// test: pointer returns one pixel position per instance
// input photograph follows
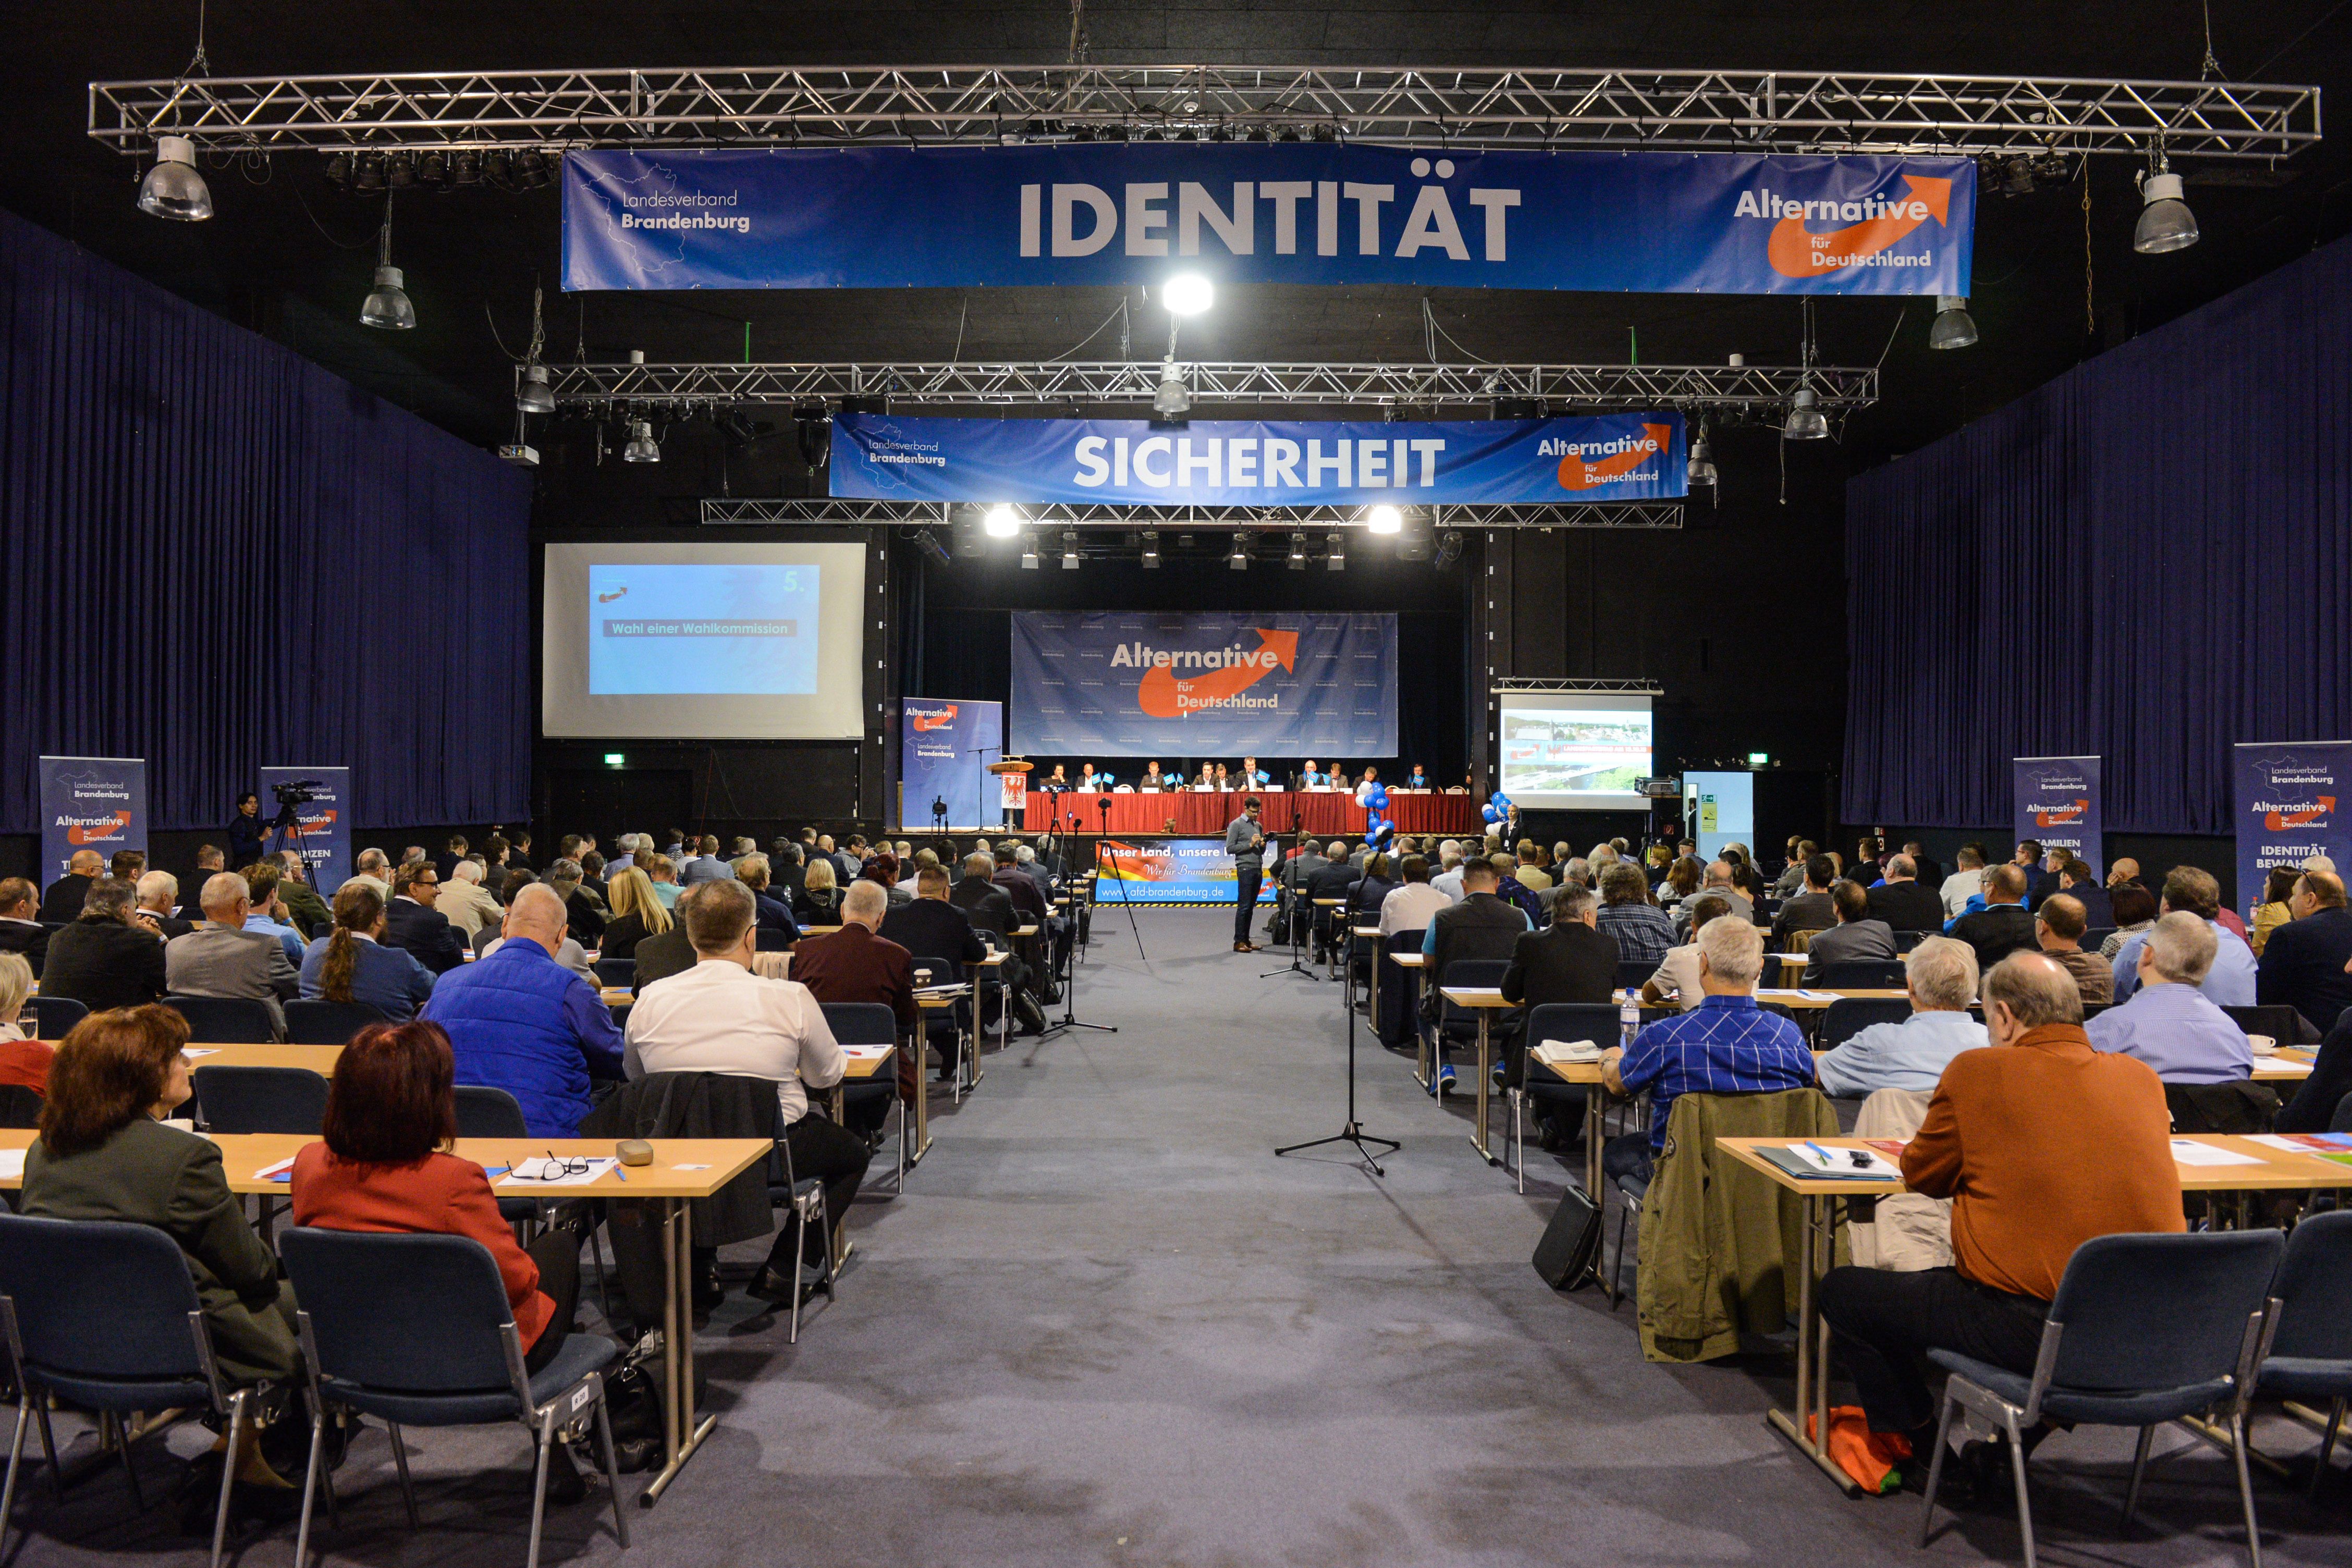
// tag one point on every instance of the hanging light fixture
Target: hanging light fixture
(534, 395)
(1070, 549)
(1954, 326)
(174, 188)
(641, 448)
(1384, 518)
(2165, 224)
(1174, 399)
(1002, 522)
(1239, 559)
(1029, 553)
(1805, 421)
(387, 305)
(1298, 553)
(1187, 294)
(1150, 550)
(1701, 471)
(1335, 552)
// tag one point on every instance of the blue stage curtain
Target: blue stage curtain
(2148, 559)
(220, 557)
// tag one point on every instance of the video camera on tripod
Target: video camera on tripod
(296, 792)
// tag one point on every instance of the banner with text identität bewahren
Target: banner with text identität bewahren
(2057, 805)
(2288, 803)
(1259, 462)
(90, 803)
(1317, 212)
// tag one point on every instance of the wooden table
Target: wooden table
(1357, 935)
(682, 1168)
(1485, 1001)
(1596, 1098)
(319, 1060)
(2276, 1171)
(1412, 964)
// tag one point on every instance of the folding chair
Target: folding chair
(226, 1020)
(324, 1023)
(2310, 1354)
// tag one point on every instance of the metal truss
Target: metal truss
(1571, 688)
(825, 511)
(616, 388)
(1690, 110)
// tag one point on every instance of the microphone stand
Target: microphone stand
(1285, 900)
(1069, 1018)
(1352, 1131)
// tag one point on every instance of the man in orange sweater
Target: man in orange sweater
(2040, 1146)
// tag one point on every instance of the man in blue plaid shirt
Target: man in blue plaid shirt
(1726, 1044)
(1641, 929)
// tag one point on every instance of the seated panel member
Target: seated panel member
(2042, 1143)
(2170, 1024)
(1941, 975)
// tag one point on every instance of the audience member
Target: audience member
(23, 1060)
(158, 894)
(1792, 875)
(520, 1022)
(222, 958)
(2124, 873)
(938, 937)
(1726, 1045)
(1675, 983)
(2135, 912)
(820, 894)
(464, 903)
(2079, 882)
(1570, 960)
(1641, 930)
(774, 914)
(1810, 910)
(266, 909)
(371, 865)
(1481, 926)
(719, 1017)
(297, 901)
(2303, 964)
(1865, 862)
(1448, 878)
(1966, 883)
(1413, 902)
(21, 930)
(1722, 879)
(2169, 1022)
(2042, 1143)
(1856, 937)
(1902, 901)
(105, 959)
(414, 925)
(637, 915)
(2058, 927)
(857, 964)
(593, 886)
(2270, 910)
(581, 916)
(2230, 981)
(706, 865)
(1940, 974)
(62, 900)
(446, 861)
(2002, 926)
(353, 965)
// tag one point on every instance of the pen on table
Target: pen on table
(1823, 1153)
(620, 1173)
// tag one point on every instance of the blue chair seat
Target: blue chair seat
(581, 1354)
(2136, 1407)
(1634, 1187)
(2306, 1377)
(120, 1392)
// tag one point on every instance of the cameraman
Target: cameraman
(247, 829)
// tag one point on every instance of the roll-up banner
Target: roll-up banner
(1325, 213)
(1169, 872)
(2288, 800)
(90, 803)
(1256, 462)
(325, 820)
(1121, 687)
(944, 750)
(2057, 805)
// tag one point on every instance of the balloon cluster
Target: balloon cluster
(1378, 829)
(1498, 808)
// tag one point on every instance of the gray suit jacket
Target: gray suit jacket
(214, 961)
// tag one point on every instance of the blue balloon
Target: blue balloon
(1376, 799)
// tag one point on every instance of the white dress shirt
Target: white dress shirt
(1450, 884)
(1411, 907)
(1957, 890)
(719, 1017)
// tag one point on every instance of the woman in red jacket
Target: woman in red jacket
(386, 1167)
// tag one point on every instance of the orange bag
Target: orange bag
(1870, 1457)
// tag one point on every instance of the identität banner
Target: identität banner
(2057, 801)
(876, 217)
(2290, 797)
(1255, 462)
(90, 803)
(1118, 687)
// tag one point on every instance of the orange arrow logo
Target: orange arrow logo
(2057, 818)
(938, 721)
(1798, 252)
(99, 832)
(2278, 821)
(1161, 695)
(1576, 474)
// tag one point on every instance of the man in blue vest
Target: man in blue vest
(518, 1021)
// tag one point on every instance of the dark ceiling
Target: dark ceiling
(288, 253)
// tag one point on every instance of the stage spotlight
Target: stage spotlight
(1239, 559)
(932, 547)
(1029, 552)
(368, 172)
(1335, 552)
(465, 169)
(1805, 421)
(172, 188)
(1069, 551)
(1702, 461)
(1384, 518)
(534, 395)
(401, 172)
(1173, 400)
(641, 448)
(1954, 328)
(1187, 294)
(1449, 550)
(2165, 223)
(1298, 553)
(339, 169)
(1003, 523)
(433, 169)
(1150, 550)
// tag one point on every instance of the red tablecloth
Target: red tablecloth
(1200, 814)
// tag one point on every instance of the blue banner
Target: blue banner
(326, 823)
(1323, 213)
(2057, 804)
(1258, 463)
(1168, 871)
(944, 750)
(90, 803)
(2289, 806)
(1114, 687)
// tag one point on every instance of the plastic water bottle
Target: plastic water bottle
(1628, 1018)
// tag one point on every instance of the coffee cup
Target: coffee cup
(2262, 1044)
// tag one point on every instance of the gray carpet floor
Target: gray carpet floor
(1104, 1325)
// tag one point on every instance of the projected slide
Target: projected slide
(733, 630)
(1569, 752)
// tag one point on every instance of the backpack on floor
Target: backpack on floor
(1570, 1249)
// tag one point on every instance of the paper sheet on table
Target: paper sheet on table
(281, 1171)
(867, 1053)
(200, 1050)
(2304, 1142)
(1565, 1053)
(12, 1163)
(1870, 1164)
(1801, 995)
(2185, 1152)
(543, 1172)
